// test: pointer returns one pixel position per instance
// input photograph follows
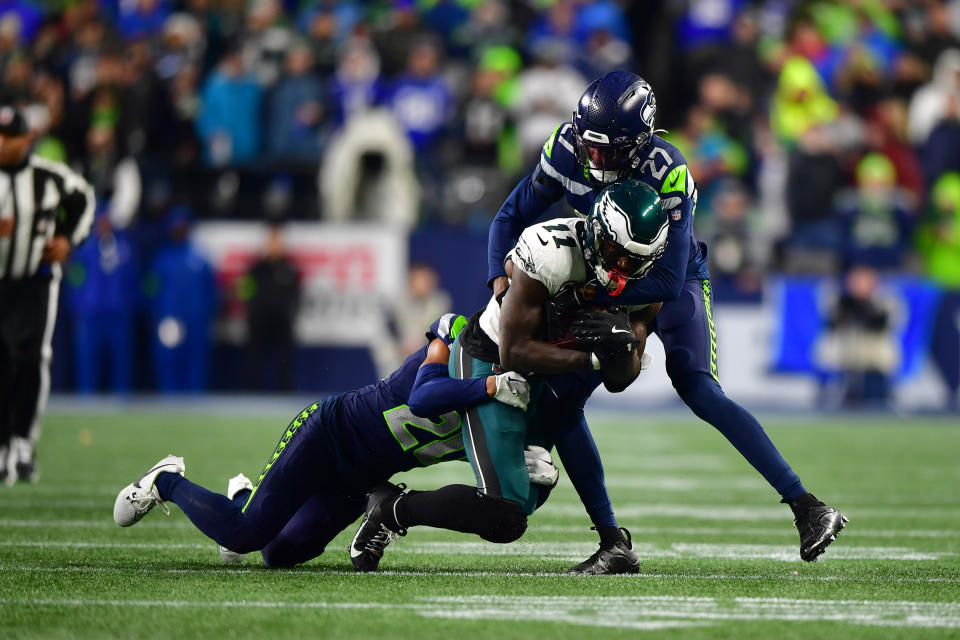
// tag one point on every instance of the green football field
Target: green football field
(719, 554)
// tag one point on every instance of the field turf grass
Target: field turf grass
(719, 555)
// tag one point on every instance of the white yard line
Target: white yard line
(575, 551)
(257, 568)
(627, 612)
(785, 531)
(103, 523)
(67, 544)
(624, 612)
(625, 510)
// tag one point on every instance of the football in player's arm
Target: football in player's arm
(611, 341)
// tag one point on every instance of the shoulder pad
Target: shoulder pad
(550, 255)
(560, 136)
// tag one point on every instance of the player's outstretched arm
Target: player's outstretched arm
(528, 200)
(521, 318)
(435, 393)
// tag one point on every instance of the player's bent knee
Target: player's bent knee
(503, 521)
(244, 538)
(280, 558)
(286, 551)
(703, 394)
(696, 387)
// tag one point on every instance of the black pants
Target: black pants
(28, 311)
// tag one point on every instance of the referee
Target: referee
(45, 210)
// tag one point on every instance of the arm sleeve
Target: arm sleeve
(447, 327)
(665, 280)
(435, 393)
(78, 203)
(527, 202)
(581, 460)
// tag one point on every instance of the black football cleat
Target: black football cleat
(378, 527)
(27, 470)
(818, 524)
(610, 559)
(8, 473)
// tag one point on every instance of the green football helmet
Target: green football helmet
(625, 233)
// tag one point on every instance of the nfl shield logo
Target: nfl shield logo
(675, 214)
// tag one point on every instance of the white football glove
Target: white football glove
(513, 389)
(540, 466)
(645, 361)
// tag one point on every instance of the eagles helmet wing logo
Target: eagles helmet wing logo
(627, 232)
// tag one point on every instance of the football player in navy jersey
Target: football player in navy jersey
(338, 450)
(610, 138)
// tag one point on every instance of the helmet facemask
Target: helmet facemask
(615, 261)
(606, 161)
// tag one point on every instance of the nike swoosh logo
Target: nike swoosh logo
(354, 552)
(675, 185)
(542, 241)
(615, 330)
(137, 483)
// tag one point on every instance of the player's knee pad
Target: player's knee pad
(502, 521)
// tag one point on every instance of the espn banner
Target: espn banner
(348, 275)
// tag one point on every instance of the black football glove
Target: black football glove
(605, 333)
(563, 307)
(559, 311)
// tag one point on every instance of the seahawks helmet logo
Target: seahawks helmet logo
(649, 110)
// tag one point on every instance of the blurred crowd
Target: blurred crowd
(824, 135)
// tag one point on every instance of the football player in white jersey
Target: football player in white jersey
(621, 239)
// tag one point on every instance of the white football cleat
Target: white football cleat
(140, 496)
(235, 485)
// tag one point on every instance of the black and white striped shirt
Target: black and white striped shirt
(43, 199)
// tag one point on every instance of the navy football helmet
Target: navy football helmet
(612, 123)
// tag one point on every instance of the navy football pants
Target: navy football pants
(685, 326)
(300, 502)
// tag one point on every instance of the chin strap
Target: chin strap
(619, 282)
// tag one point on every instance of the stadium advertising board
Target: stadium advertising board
(348, 273)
